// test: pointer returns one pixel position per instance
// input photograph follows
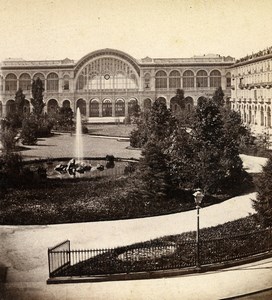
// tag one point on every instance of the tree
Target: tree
(161, 123)
(179, 99)
(218, 97)
(139, 135)
(20, 102)
(64, 118)
(152, 176)
(37, 97)
(181, 158)
(29, 130)
(8, 139)
(217, 165)
(135, 113)
(263, 202)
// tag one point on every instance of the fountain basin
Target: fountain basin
(88, 167)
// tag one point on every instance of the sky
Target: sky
(56, 29)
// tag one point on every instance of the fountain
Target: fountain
(77, 164)
(79, 142)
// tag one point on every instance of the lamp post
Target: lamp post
(198, 195)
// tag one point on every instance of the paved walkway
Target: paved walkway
(24, 252)
(24, 248)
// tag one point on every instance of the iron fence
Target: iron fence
(59, 258)
(155, 255)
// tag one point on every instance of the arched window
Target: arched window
(82, 106)
(52, 107)
(188, 79)
(228, 80)
(147, 104)
(202, 79)
(66, 103)
(174, 106)
(41, 76)
(215, 79)
(25, 82)
(11, 83)
(66, 82)
(10, 106)
(120, 108)
(161, 100)
(189, 103)
(161, 80)
(53, 82)
(94, 108)
(174, 80)
(131, 105)
(107, 108)
(81, 82)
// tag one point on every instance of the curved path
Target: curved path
(24, 250)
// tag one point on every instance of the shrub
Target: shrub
(29, 131)
(263, 202)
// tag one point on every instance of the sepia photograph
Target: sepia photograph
(135, 150)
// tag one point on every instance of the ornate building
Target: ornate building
(106, 83)
(251, 91)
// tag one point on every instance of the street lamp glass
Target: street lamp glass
(198, 197)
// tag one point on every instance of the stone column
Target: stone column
(4, 110)
(126, 108)
(113, 108)
(100, 109)
(87, 109)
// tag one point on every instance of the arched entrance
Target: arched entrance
(189, 103)
(82, 106)
(66, 104)
(94, 108)
(120, 108)
(162, 100)
(131, 105)
(107, 108)
(147, 104)
(174, 105)
(52, 107)
(10, 107)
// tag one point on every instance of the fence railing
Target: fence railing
(59, 258)
(155, 255)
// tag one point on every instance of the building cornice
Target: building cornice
(251, 61)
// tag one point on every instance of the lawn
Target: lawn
(111, 130)
(72, 200)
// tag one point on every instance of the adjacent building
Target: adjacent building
(251, 89)
(106, 83)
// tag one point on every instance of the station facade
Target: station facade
(251, 89)
(106, 83)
